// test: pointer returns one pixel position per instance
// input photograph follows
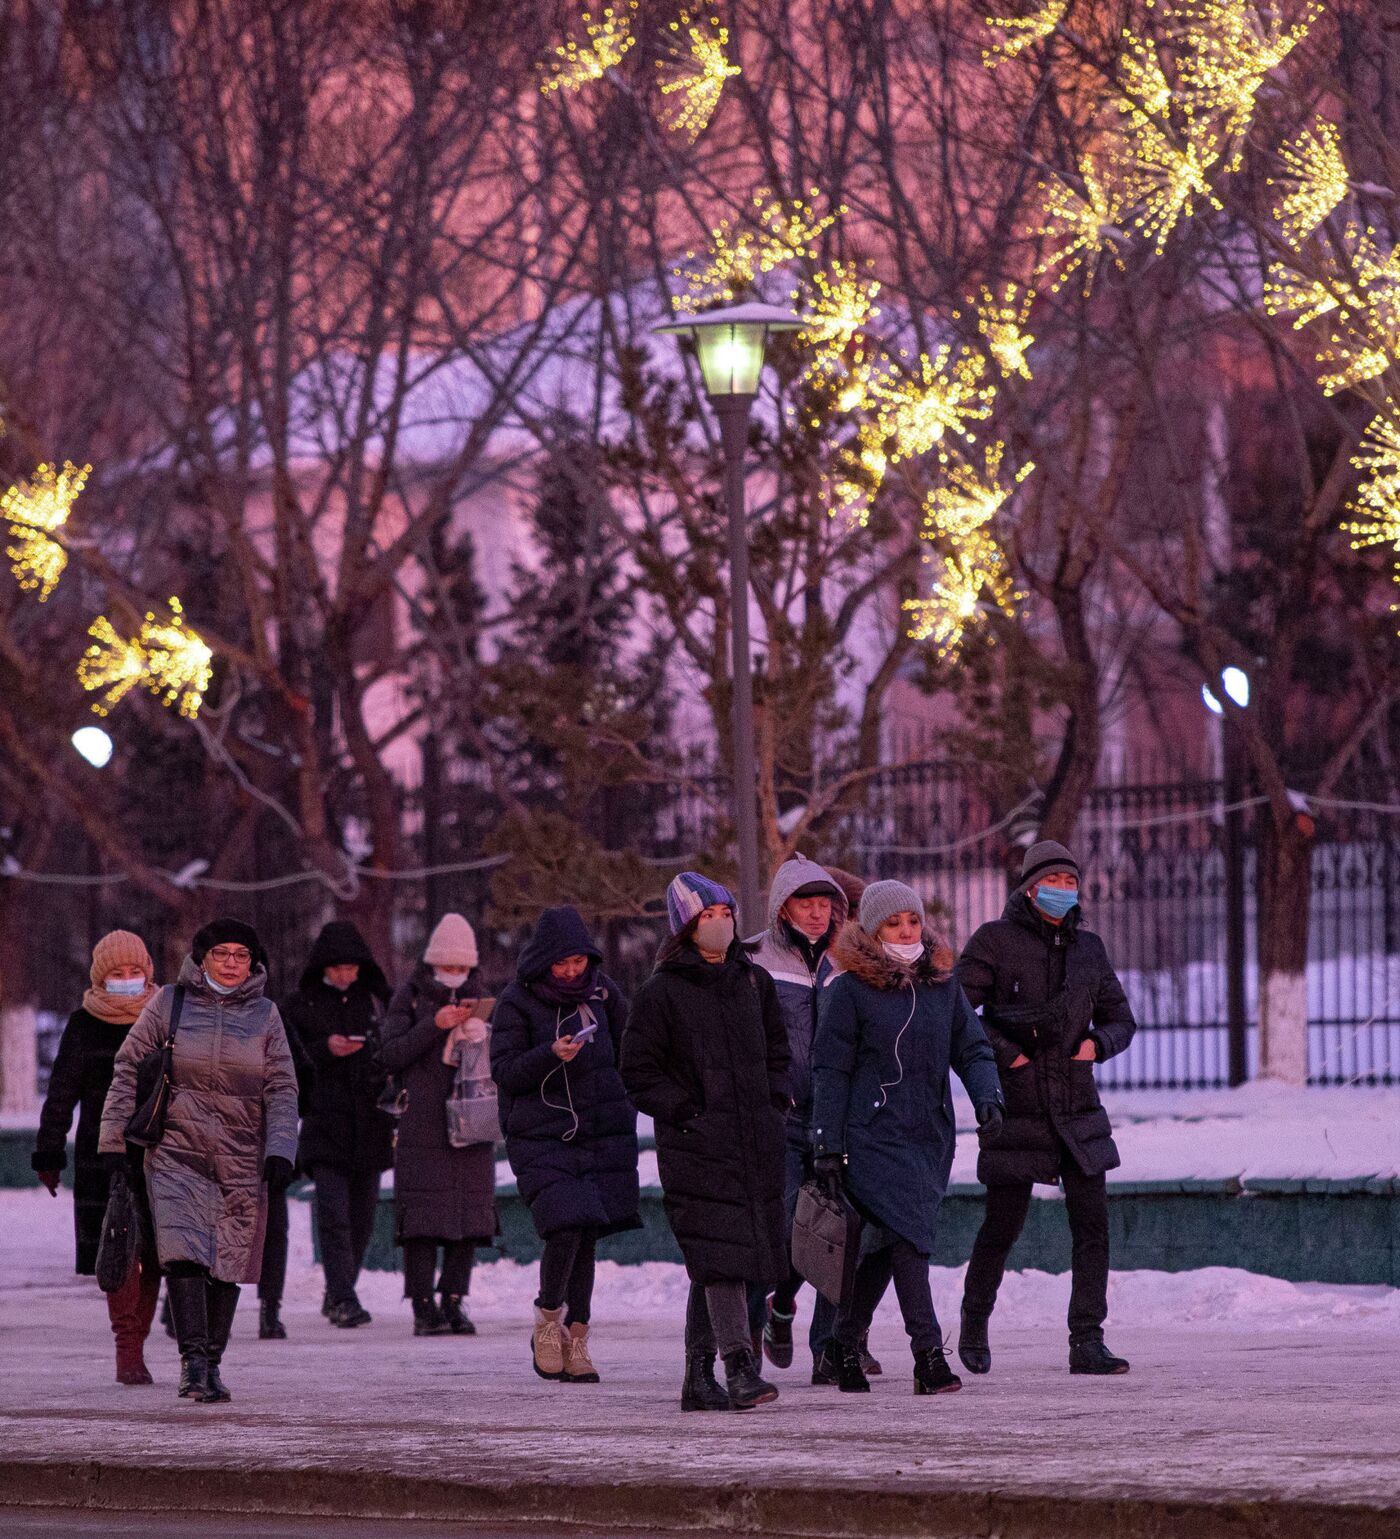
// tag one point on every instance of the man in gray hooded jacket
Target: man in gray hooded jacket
(806, 907)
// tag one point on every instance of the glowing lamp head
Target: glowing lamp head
(93, 744)
(1235, 683)
(730, 344)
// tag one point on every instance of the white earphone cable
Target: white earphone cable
(563, 1068)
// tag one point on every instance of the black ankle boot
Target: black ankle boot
(270, 1327)
(777, 1335)
(1092, 1356)
(741, 1378)
(427, 1319)
(189, 1310)
(223, 1305)
(824, 1370)
(850, 1376)
(701, 1390)
(932, 1375)
(973, 1346)
(458, 1321)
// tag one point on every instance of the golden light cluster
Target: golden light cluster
(1376, 505)
(1001, 319)
(1168, 174)
(1315, 180)
(945, 392)
(1081, 224)
(779, 232)
(166, 657)
(34, 510)
(697, 73)
(607, 39)
(1020, 32)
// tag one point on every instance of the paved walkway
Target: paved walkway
(1239, 1431)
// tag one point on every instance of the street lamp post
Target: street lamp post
(730, 344)
(1236, 685)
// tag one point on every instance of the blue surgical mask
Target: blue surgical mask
(220, 988)
(127, 986)
(1056, 902)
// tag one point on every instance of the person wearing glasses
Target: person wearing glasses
(230, 1137)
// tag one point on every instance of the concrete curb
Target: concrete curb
(846, 1512)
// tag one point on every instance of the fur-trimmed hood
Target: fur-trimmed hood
(857, 952)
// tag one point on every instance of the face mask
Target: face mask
(450, 980)
(904, 951)
(220, 988)
(128, 986)
(715, 935)
(1056, 902)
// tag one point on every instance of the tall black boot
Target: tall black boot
(701, 1390)
(850, 1374)
(189, 1310)
(223, 1304)
(270, 1327)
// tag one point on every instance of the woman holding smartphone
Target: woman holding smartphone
(571, 1132)
(444, 1197)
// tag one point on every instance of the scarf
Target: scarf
(547, 986)
(117, 1009)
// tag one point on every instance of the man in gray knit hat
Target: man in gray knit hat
(1052, 1006)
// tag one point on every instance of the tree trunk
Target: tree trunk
(19, 1057)
(1284, 888)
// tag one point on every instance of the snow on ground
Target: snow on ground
(38, 1254)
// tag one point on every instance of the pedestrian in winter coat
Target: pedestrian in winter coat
(121, 986)
(892, 1024)
(444, 1197)
(706, 1057)
(230, 1135)
(571, 1132)
(1052, 1007)
(272, 1280)
(806, 908)
(346, 1139)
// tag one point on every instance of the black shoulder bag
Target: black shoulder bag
(146, 1125)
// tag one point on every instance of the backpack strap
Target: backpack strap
(177, 1005)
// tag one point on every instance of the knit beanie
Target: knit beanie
(228, 932)
(882, 900)
(120, 948)
(690, 894)
(452, 944)
(1046, 859)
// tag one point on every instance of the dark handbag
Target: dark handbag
(826, 1241)
(145, 1127)
(121, 1236)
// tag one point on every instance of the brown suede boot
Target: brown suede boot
(547, 1342)
(578, 1365)
(124, 1311)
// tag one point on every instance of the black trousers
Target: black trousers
(272, 1281)
(346, 1202)
(420, 1261)
(717, 1318)
(1086, 1206)
(566, 1273)
(908, 1269)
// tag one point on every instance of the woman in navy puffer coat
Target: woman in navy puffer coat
(571, 1132)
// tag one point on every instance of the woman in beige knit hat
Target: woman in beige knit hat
(122, 981)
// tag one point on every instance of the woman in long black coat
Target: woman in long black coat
(706, 1056)
(444, 1197)
(346, 1139)
(122, 984)
(571, 1132)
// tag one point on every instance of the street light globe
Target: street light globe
(1236, 682)
(731, 343)
(1211, 703)
(94, 745)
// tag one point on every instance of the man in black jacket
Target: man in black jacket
(1052, 1007)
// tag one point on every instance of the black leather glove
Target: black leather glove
(277, 1172)
(829, 1170)
(990, 1118)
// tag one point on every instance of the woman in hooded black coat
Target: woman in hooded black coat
(706, 1056)
(571, 1132)
(444, 1197)
(346, 1140)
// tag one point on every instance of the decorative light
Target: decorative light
(1141, 76)
(1377, 500)
(782, 232)
(969, 498)
(946, 395)
(971, 578)
(1307, 299)
(165, 657)
(1021, 32)
(702, 70)
(1318, 177)
(1170, 175)
(608, 38)
(1001, 319)
(34, 510)
(1081, 224)
(840, 305)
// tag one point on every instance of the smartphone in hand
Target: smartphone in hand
(585, 1033)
